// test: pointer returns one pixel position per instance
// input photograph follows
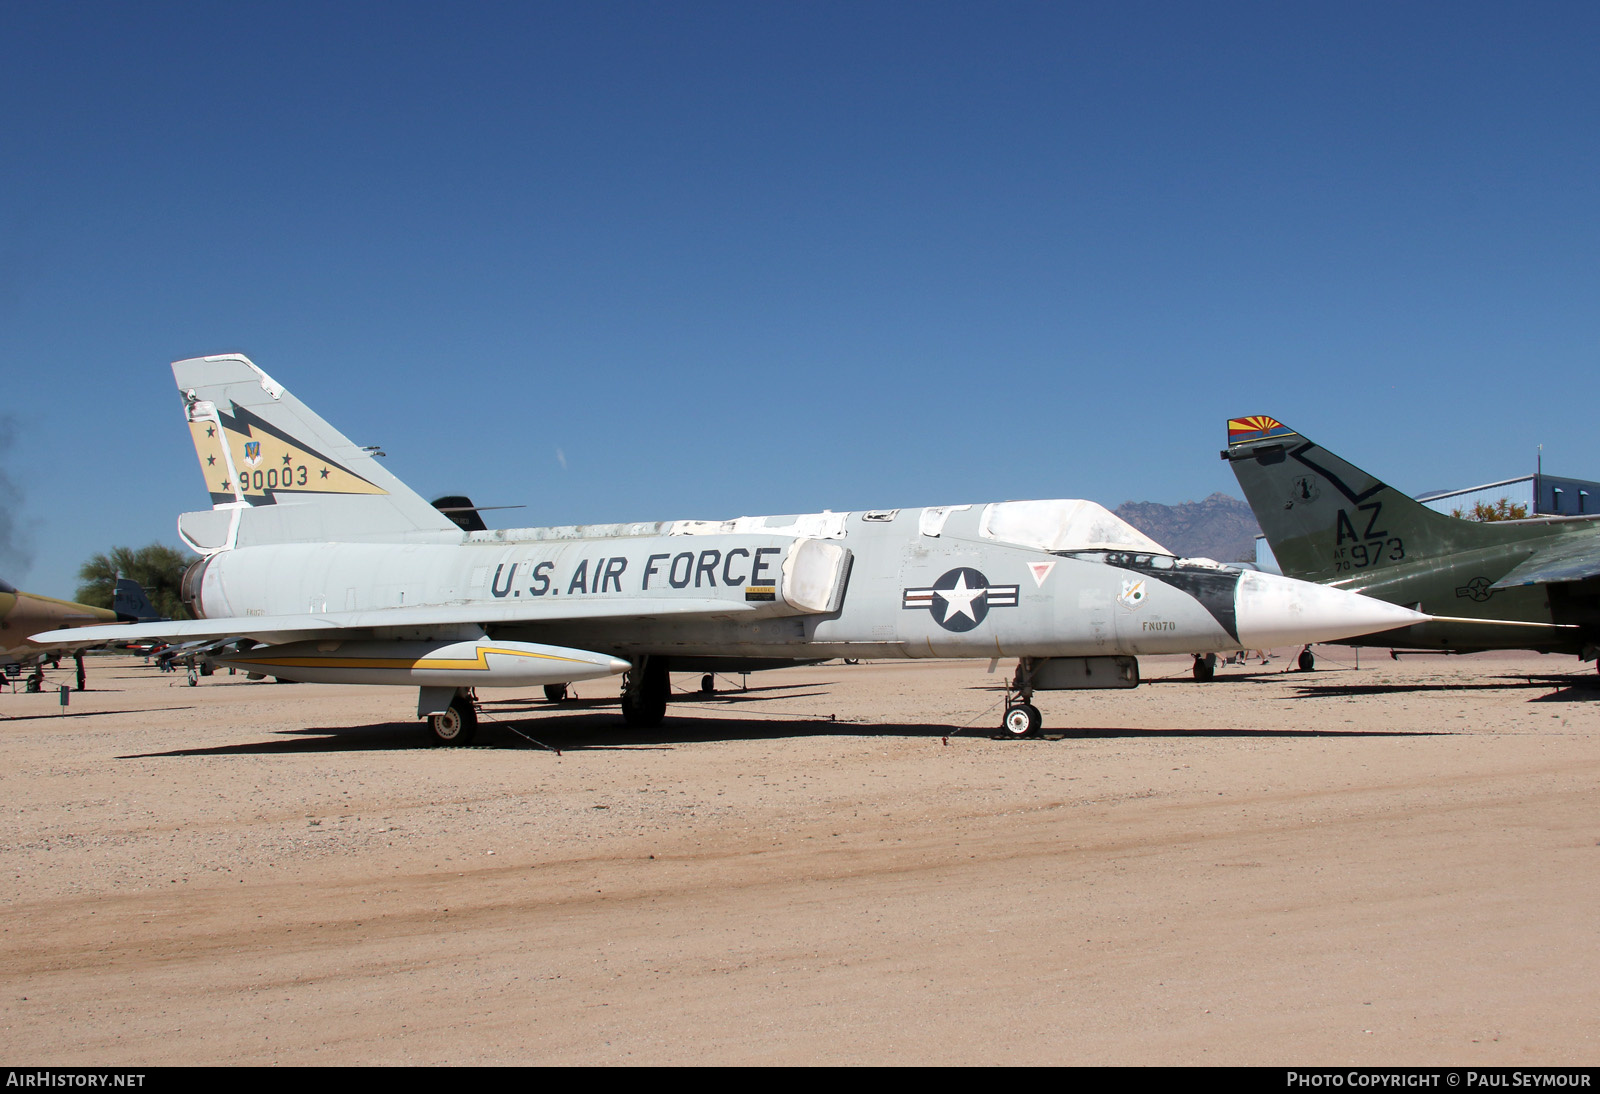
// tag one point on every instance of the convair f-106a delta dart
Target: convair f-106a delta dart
(319, 565)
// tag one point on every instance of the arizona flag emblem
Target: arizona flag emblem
(1255, 428)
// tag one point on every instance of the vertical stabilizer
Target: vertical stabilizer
(278, 473)
(129, 601)
(1328, 520)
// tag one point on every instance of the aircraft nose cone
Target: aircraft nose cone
(1280, 611)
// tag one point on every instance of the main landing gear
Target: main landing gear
(1307, 661)
(644, 694)
(1022, 717)
(1205, 666)
(458, 724)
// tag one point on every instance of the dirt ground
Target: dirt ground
(1396, 863)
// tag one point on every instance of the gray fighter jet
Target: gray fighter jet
(320, 565)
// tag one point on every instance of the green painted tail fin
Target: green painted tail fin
(1328, 520)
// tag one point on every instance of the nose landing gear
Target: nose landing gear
(1022, 718)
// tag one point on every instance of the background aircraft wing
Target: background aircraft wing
(1569, 558)
(281, 628)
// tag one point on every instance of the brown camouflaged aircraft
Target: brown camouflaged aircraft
(22, 614)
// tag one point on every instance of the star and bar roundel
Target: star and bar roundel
(961, 598)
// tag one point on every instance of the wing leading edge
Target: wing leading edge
(279, 628)
(1571, 558)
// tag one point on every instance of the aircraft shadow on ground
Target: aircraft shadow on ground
(1567, 689)
(1557, 688)
(593, 730)
(742, 695)
(565, 732)
(1232, 676)
(586, 735)
(69, 713)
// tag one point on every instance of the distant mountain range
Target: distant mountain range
(1220, 527)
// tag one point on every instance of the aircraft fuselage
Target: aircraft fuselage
(906, 583)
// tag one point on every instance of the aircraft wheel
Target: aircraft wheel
(1022, 720)
(1205, 666)
(456, 726)
(1307, 661)
(643, 711)
(708, 684)
(194, 676)
(644, 701)
(555, 693)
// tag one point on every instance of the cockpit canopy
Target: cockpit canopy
(1064, 525)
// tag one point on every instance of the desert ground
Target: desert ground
(1390, 863)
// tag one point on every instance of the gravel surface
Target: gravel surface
(1396, 863)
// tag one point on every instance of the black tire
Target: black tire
(643, 711)
(1307, 660)
(644, 704)
(1205, 666)
(555, 693)
(1022, 720)
(456, 726)
(708, 684)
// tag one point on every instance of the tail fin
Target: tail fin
(278, 473)
(131, 604)
(1327, 519)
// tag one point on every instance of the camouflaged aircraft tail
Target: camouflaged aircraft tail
(278, 473)
(129, 601)
(1328, 520)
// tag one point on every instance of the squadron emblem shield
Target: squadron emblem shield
(1133, 593)
(961, 598)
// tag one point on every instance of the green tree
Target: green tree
(1504, 509)
(158, 568)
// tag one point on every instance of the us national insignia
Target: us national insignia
(961, 598)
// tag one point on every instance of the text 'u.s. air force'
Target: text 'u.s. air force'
(737, 567)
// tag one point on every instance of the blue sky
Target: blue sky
(634, 261)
